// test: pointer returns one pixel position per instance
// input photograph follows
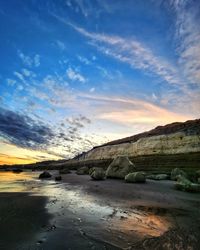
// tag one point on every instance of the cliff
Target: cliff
(172, 145)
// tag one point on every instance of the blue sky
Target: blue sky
(77, 73)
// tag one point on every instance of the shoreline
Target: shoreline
(80, 213)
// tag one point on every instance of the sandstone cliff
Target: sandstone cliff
(176, 144)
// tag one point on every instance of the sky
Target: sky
(78, 73)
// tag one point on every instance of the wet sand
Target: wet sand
(78, 213)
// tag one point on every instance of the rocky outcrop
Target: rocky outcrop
(186, 185)
(97, 174)
(137, 177)
(158, 150)
(58, 178)
(120, 167)
(176, 173)
(191, 127)
(178, 143)
(45, 175)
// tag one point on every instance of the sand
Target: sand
(79, 213)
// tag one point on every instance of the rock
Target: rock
(120, 167)
(82, 171)
(91, 170)
(198, 173)
(158, 177)
(193, 187)
(186, 185)
(98, 174)
(58, 178)
(17, 170)
(64, 171)
(176, 172)
(44, 175)
(136, 177)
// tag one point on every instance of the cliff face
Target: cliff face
(191, 127)
(177, 143)
(173, 145)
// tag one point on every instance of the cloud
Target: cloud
(29, 61)
(28, 73)
(10, 159)
(23, 131)
(132, 52)
(133, 111)
(61, 45)
(83, 60)
(79, 121)
(92, 90)
(74, 75)
(187, 37)
(11, 82)
(88, 8)
(19, 76)
(36, 60)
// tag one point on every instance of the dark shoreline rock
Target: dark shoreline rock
(58, 178)
(45, 175)
(136, 177)
(17, 170)
(97, 174)
(186, 185)
(176, 172)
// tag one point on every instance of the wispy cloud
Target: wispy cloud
(74, 75)
(19, 76)
(60, 45)
(187, 38)
(90, 8)
(83, 60)
(29, 61)
(133, 111)
(132, 52)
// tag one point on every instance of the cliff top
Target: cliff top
(190, 127)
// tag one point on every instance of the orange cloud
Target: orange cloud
(134, 111)
(9, 160)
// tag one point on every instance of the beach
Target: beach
(79, 213)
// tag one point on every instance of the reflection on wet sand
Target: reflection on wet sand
(17, 182)
(77, 212)
(109, 223)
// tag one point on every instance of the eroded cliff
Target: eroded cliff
(172, 145)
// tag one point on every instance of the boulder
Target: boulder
(64, 171)
(44, 175)
(82, 171)
(91, 170)
(198, 173)
(120, 167)
(158, 177)
(98, 174)
(186, 185)
(176, 172)
(58, 178)
(17, 170)
(136, 177)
